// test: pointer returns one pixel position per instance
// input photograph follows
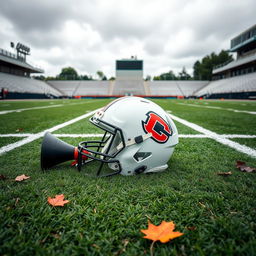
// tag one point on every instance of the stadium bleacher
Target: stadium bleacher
(176, 88)
(80, 87)
(92, 88)
(66, 87)
(243, 83)
(20, 84)
(164, 88)
(189, 88)
(125, 87)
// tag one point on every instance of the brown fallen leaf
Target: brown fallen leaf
(16, 201)
(191, 228)
(19, 130)
(125, 242)
(58, 200)
(243, 167)
(96, 246)
(239, 163)
(2, 177)
(22, 177)
(224, 173)
(55, 235)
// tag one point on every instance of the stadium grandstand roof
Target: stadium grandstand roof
(246, 37)
(11, 58)
(235, 63)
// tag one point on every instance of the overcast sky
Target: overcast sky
(90, 35)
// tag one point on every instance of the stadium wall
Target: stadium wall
(16, 95)
(233, 95)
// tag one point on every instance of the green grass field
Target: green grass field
(105, 215)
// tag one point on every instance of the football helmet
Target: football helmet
(139, 137)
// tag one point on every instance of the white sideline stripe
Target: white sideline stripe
(88, 135)
(241, 136)
(42, 107)
(228, 109)
(230, 136)
(24, 109)
(241, 148)
(57, 135)
(35, 136)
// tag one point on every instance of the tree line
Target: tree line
(202, 70)
(69, 73)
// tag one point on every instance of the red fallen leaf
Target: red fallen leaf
(164, 232)
(224, 173)
(239, 164)
(243, 167)
(58, 200)
(22, 177)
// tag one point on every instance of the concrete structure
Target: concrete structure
(244, 45)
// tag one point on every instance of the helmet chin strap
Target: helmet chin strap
(136, 140)
(157, 169)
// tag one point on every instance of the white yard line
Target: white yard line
(241, 148)
(35, 136)
(90, 135)
(228, 109)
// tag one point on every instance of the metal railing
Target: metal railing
(8, 54)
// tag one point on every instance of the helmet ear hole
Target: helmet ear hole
(140, 156)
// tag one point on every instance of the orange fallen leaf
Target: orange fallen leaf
(58, 200)
(164, 232)
(22, 177)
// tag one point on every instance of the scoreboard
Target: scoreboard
(129, 65)
(129, 69)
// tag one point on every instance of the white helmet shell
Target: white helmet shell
(147, 138)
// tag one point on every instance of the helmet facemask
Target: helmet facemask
(104, 151)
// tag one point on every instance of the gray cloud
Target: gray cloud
(43, 16)
(90, 35)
